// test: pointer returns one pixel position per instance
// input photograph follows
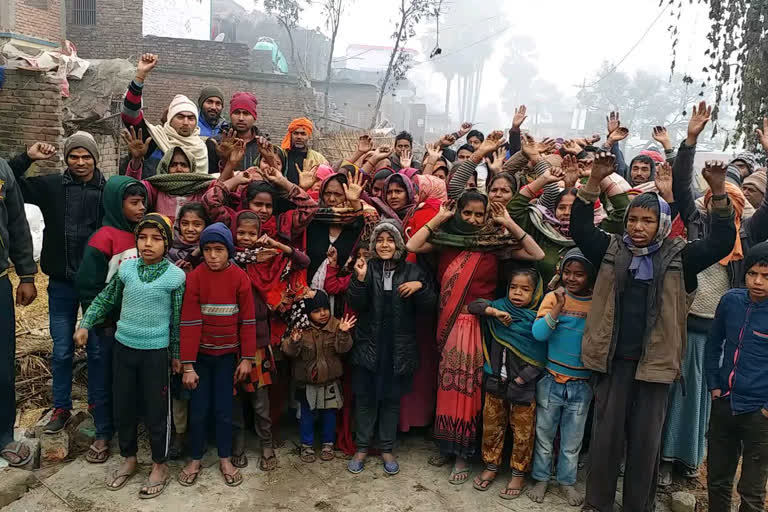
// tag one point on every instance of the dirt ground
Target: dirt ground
(294, 486)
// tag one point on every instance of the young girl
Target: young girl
(563, 395)
(513, 363)
(267, 262)
(389, 294)
(317, 370)
(149, 293)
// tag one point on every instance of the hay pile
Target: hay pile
(340, 145)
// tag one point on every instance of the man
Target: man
(16, 245)
(474, 139)
(404, 152)
(180, 129)
(754, 187)
(71, 204)
(242, 116)
(210, 102)
(642, 169)
(746, 163)
(295, 144)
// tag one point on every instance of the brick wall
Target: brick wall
(116, 34)
(30, 111)
(40, 19)
(109, 153)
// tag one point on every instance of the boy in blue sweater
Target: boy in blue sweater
(563, 395)
(737, 377)
(148, 292)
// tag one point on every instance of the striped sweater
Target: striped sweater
(218, 315)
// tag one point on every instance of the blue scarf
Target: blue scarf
(641, 265)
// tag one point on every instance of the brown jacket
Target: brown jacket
(665, 338)
(316, 355)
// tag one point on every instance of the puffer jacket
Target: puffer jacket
(316, 355)
(367, 298)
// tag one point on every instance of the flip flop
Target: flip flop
(480, 487)
(326, 453)
(503, 493)
(239, 461)
(97, 455)
(232, 480)
(147, 496)
(268, 463)
(114, 475)
(456, 472)
(15, 448)
(193, 475)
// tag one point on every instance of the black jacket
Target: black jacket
(72, 211)
(367, 299)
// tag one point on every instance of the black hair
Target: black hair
(469, 147)
(248, 216)
(383, 174)
(196, 208)
(404, 135)
(469, 196)
(756, 255)
(563, 193)
(524, 270)
(258, 187)
(135, 189)
(476, 133)
(644, 159)
(647, 200)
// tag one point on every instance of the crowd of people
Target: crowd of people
(543, 294)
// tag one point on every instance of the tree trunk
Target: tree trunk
(448, 83)
(329, 71)
(387, 74)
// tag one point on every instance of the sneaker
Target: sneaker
(58, 422)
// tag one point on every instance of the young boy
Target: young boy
(737, 377)
(563, 395)
(148, 292)
(217, 325)
(114, 243)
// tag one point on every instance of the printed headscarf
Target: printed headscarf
(738, 201)
(161, 223)
(301, 122)
(642, 257)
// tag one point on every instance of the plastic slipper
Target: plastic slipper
(114, 476)
(503, 493)
(457, 472)
(239, 461)
(97, 455)
(147, 496)
(355, 466)
(480, 487)
(391, 468)
(307, 454)
(234, 479)
(183, 477)
(326, 453)
(15, 448)
(268, 463)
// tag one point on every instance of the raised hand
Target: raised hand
(361, 269)
(519, 118)
(296, 336)
(347, 323)
(434, 151)
(147, 63)
(495, 165)
(405, 290)
(274, 177)
(137, 147)
(307, 178)
(570, 167)
(553, 175)
(612, 122)
(354, 187)
(266, 241)
(499, 213)
(529, 148)
(617, 135)
(572, 147)
(465, 127)
(559, 297)
(80, 337)
(663, 181)
(714, 174)
(237, 153)
(492, 142)
(699, 118)
(762, 135)
(446, 140)
(406, 158)
(661, 136)
(546, 146)
(381, 153)
(364, 143)
(269, 154)
(224, 148)
(603, 166)
(41, 151)
(332, 256)
(447, 210)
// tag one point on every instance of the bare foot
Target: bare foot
(537, 492)
(574, 497)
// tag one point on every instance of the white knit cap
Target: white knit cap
(181, 103)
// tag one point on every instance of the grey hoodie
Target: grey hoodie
(15, 238)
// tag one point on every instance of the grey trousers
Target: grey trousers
(259, 400)
(631, 411)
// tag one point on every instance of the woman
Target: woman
(501, 188)
(397, 197)
(390, 296)
(470, 245)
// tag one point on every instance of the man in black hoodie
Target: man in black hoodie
(72, 209)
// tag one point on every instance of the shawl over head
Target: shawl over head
(179, 184)
(392, 227)
(301, 122)
(642, 257)
(167, 138)
(739, 202)
(161, 223)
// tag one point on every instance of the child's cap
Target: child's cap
(575, 254)
(161, 223)
(218, 232)
(319, 301)
(756, 254)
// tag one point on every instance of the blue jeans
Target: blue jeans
(213, 394)
(307, 423)
(565, 406)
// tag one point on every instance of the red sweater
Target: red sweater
(218, 316)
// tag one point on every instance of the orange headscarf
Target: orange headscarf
(301, 122)
(737, 199)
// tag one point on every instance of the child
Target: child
(563, 395)
(148, 293)
(317, 370)
(112, 244)
(184, 253)
(267, 263)
(217, 325)
(389, 294)
(737, 377)
(513, 361)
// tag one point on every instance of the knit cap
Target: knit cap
(319, 301)
(757, 252)
(81, 139)
(218, 232)
(759, 180)
(181, 103)
(748, 158)
(161, 222)
(209, 92)
(243, 101)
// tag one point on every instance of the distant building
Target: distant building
(34, 23)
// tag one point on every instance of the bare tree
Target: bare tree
(287, 12)
(332, 10)
(411, 13)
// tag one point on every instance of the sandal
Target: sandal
(307, 454)
(268, 463)
(505, 493)
(115, 476)
(189, 479)
(16, 450)
(483, 484)
(239, 461)
(326, 453)
(456, 473)
(97, 455)
(144, 493)
(234, 479)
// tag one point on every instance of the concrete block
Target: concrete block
(683, 502)
(34, 462)
(14, 483)
(83, 436)
(54, 447)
